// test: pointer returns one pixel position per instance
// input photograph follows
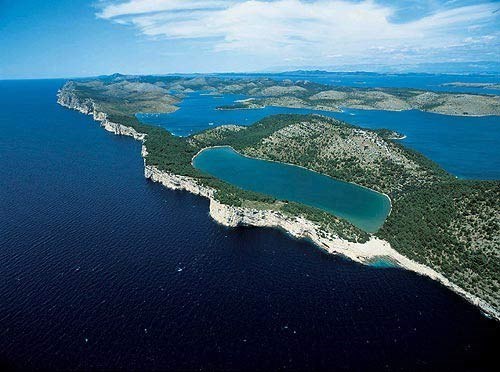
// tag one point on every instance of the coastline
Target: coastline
(297, 227)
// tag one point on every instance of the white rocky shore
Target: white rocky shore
(297, 227)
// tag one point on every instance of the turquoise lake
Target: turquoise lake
(362, 207)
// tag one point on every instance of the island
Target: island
(457, 84)
(439, 226)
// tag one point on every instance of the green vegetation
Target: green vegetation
(125, 97)
(448, 224)
(331, 147)
(452, 227)
(388, 134)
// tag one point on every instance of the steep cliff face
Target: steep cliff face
(70, 100)
(122, 130)
(299, 227)
(176, 182)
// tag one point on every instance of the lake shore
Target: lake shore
(297, 227)
(301, 167)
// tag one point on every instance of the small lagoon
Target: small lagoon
(362, 207)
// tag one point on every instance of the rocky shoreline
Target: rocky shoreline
(297, 227)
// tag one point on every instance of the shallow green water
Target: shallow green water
(362, 207)
(383, 263)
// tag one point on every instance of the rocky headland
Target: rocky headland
(234, 215)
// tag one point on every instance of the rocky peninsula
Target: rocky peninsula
(167, 160)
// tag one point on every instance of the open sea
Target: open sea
(103, 269)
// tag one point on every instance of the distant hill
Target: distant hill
(472, 67)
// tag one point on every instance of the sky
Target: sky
(48, 38)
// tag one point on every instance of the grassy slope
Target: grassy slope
(126, 98)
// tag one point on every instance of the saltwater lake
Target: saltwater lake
(362, 207)
(103, 269)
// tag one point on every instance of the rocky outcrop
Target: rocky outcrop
(176, 182)
(296, 226)
(66, 98)
(122, 130)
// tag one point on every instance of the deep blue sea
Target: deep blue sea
(102, 269)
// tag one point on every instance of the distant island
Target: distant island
(439, 226)
(495, 86)
(305, 94)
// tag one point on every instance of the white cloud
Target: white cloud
(148, 6)
(317, 30)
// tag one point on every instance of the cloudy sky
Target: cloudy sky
(75, 38)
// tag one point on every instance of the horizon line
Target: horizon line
(254, 73)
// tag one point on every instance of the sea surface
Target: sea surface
(103, 269)
(465, 146)
(362, 207)
(198, 111)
